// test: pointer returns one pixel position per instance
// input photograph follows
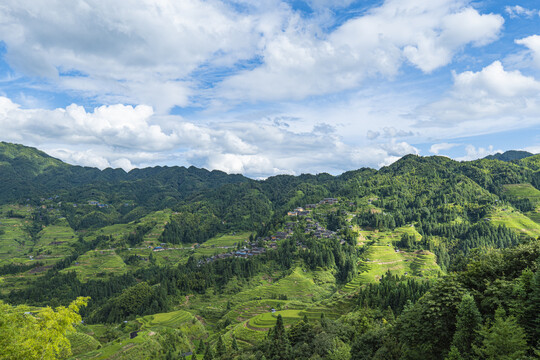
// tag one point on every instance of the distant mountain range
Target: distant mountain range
(510, 155)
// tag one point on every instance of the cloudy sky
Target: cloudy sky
(269, 87)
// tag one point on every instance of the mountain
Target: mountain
(29, 173)
(510, 155)
(365, 265)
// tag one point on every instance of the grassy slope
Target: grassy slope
(515, 220)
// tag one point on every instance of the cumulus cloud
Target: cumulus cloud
(138, 51)
(437, 148)
(490, 100)
(297, 63)
(127, 137)
(473, 153)
(533, 43)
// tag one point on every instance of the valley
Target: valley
(184, 262)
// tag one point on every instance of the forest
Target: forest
(427, 258)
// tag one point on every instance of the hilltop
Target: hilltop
(510, 155)
(186, 256)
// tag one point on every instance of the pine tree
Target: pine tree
(533, 305)
(454, 354)
(220, 347)
(200, 348)
(234, 343)
(280, 347)
(468, 322)
(208, 354)
(503, 340)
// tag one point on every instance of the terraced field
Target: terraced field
(141, 347)
(381, 256)
(523, 191)
(57, 239)
(515, 220)
(227, 240)
(266, 321)
(254, 329)
(379, 260)
(14, 241)
(299, 284)
(97, 263)
(82, 343)
(252, 308)
(173, 319)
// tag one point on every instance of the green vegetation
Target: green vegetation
(179, 260)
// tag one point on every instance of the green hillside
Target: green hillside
(176, 260)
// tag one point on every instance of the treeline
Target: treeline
(329, 253)
(392, 291)
(188, 227)
(137, 236)
(13, 268)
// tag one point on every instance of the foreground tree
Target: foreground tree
(468, 323)
(503, 340)
(25, 335)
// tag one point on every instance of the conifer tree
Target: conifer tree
(468, 323)
(280, 348)
(200, 348)
(234, 343)
(220, 347)
(208, 353)
(503, 340)
(454, 354)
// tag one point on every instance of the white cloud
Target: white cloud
(517, 11)
(128, 137)
(139, 51)
(437, 148)
(298, 63)
(473, 153)
(166, 52)
(535, 149)
(533, 43)
(486, 101)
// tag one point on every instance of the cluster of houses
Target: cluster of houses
(245, 253)
(312, 228)
(304, 212)
(98, 204)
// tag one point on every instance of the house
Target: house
(329, 201)
(159, 248)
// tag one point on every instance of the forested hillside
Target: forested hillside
(427, 258)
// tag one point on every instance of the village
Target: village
(261, 244)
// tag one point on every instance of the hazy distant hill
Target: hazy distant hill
(26, 172)
(510, 155)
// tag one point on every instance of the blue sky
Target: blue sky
(265, 88)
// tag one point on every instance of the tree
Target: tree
(503, 340)
(454, 354)
(234, 344)
(208, 354)
(41, 336)
(220, 347)
(200, 348)
(280, 348)
(468, 323)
